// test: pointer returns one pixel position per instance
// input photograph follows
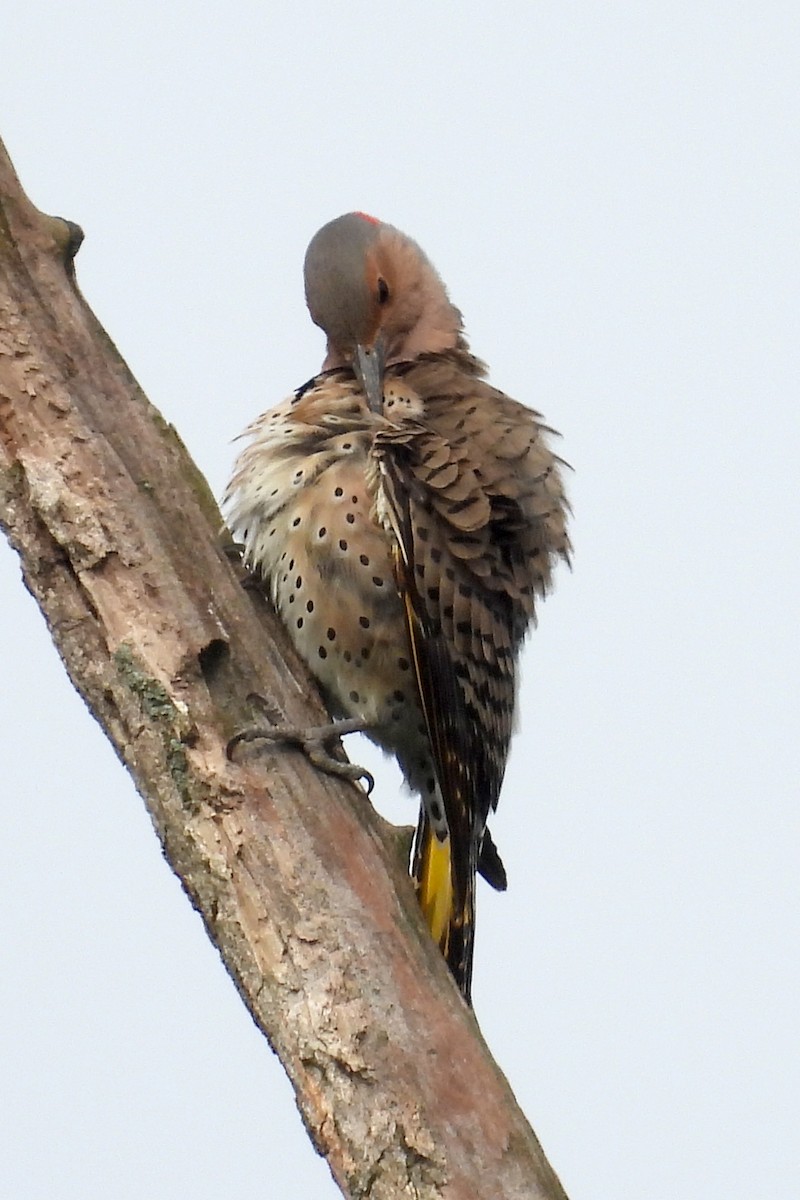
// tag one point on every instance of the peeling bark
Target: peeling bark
(302, 887)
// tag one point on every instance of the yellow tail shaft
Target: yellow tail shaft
(435, 885)
(449, 916)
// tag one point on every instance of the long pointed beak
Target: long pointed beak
(369, 363)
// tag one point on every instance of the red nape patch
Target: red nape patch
(367, 217)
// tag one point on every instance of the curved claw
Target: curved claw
(314, 744)
(320, 757)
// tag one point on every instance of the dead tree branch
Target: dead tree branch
(300, 884)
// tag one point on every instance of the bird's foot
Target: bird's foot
(313, 741)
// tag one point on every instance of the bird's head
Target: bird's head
(377, 298)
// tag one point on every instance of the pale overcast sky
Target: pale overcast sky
(611, 192)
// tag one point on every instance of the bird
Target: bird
(405, 517)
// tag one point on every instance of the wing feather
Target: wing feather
(473, 496)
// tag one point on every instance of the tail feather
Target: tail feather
(490, 864)
(449, 916)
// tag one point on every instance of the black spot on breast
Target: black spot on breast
(403, 664)
(299, 622)
(309, 606)
(295, 522)
(350, 518)
(364, 560)
(342, 544)
(338, 492)
(322, 652)
(376, 579)
(298, 583)
(322, 532)
(331, 634)
(354, 696)
(364, 622)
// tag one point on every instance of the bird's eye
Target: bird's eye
(383, 291)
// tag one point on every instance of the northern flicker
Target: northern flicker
(405, 517)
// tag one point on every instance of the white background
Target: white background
(611, 192)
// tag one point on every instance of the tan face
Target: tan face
(371, 288)
(379, 280)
